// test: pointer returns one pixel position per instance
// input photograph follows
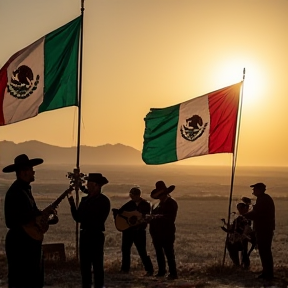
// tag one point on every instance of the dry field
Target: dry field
(199, 245)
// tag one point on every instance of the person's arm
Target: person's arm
(18, 208)
(170, 211)
(125, 207)
(83, 189)
(73, 208)
(103, 212)
(53, 219)
(251, 214)
(145, 207)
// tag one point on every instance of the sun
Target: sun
(255, 81)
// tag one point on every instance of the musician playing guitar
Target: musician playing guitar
(24, 253)
(135, 234)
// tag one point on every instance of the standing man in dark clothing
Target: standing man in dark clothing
(263, 216)
(162, 229)
(92, 213)
(24, 254)
(135, 234)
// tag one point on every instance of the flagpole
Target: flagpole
(77, 170)
(234, 160)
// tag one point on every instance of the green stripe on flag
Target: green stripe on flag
(160, 135)
(61, 50)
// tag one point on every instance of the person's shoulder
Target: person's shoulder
(145, 202)
(104, 197)
(267, 197)
(15, 188)
(172, 200)
(84, 198)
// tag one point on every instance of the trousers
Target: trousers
(25, 261)
(138, 237)
(92, 255)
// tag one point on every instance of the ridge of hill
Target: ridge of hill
(108, 154)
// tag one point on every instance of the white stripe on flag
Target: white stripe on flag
(15, 109)
(200, 146)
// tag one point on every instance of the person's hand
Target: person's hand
(69, 195)
(224, 229)
(49, 210)
(115, 212)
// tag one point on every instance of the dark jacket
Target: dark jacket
(240, 230)
(143, 207)
(263, 214)
(92, 212)
(164, 225)
(20, 207)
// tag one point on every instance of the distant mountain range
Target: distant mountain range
(107, 154)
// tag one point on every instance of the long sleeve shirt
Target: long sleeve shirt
(20, 207)
(263, 214)
(92, 212)
(164, 225)
(143, 207)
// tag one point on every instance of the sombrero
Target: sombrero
(22, 161)
(161, 189)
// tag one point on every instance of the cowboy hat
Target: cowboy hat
(161, 189)
(20, 162)
(97, 178)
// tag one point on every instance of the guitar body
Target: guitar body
(37, 228)
(128, 219)
(40, 225)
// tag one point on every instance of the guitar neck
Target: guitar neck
(55, 203)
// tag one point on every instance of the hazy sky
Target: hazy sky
(140, 54)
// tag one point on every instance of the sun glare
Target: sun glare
(255, 82)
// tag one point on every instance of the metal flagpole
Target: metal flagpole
(234, 160)
(77, 174)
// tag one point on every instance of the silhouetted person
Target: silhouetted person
(24, 253)
(135, 234)
(92, 213)
(162, 229)
(263, 216)
(240, 234)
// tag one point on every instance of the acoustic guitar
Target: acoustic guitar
(39, 226)
(128, 219)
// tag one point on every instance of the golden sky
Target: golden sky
(140, 54)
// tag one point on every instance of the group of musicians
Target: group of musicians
(24, 250)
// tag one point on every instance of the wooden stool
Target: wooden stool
(54, 251)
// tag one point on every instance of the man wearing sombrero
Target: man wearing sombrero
(162, 229)
(24, 254)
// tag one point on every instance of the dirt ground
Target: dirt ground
(67, 275)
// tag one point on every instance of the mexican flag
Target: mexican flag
(41, 77)
(203, 125)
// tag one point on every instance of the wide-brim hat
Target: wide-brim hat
(161, 188)
(97, 178)
(22, 161)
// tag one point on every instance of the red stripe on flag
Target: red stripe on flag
(3, 84)
(223, 107)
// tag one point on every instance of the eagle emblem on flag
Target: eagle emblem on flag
(22, 83)
(193, 128)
